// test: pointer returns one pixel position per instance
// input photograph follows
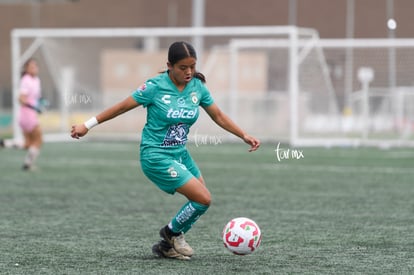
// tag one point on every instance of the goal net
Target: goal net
(281, 84)
(372, 78)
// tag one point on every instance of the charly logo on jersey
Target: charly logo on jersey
(166, 99)
(194, 97)
(176, 135)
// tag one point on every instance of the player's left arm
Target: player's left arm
(221, 119)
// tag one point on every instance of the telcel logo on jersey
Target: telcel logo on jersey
(182, 113)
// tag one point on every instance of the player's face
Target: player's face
(32, 68)
(183, 71)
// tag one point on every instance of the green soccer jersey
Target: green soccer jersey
(170, 113)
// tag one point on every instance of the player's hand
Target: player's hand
(78, 131)
(253, 142)
(37, 109)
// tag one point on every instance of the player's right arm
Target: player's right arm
(127, 104)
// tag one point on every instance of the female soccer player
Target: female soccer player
(29, 97)
(172, 100)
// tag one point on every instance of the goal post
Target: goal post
(86, 52)
(377, 112)
(298, 51)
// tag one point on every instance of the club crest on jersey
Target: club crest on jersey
(176, 135)
(194, 97)
(173, 173)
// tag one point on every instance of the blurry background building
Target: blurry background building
(328, 17)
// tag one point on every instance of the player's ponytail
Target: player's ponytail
(180, 50)
(200, 76)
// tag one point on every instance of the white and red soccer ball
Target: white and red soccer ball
(241, 236)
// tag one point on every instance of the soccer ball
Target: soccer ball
(241, 236)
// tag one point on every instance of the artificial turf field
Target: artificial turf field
(88, 209)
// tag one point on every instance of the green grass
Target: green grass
(89, 210)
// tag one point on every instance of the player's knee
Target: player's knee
(203, 198)
(206, 199)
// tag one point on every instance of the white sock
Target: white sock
(31, 155)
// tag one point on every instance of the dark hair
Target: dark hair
(25, 65)
(180, 50)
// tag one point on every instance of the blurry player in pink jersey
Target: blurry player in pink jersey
(29, 99)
